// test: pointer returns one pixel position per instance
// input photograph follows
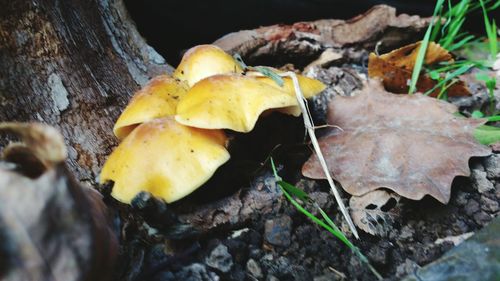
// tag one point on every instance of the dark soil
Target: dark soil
(288, 246)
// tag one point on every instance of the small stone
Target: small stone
(237, 273)
(380, 253)
(272, 278)
(254, 253)
(406, 268)
(280, 266)
(462, 198)
(164, 276)
(322, 198)
(328, 277)
(460, 226)
(253, 237)
(254, 269)
(407, 232)
(492, 166)
(475, 259)
(278, 231)
(471, 208)
(482, 218)
(481, 182)
(220, 259)
(237, 249)
(489, 205)
(196, 272)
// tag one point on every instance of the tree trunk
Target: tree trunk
(74, 65)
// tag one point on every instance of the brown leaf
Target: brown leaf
(411, 144)
(51, 228)
(375, 212)
(395, 69)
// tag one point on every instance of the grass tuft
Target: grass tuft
(419, 61)
(290, 191)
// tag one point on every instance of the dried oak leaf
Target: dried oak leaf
(395, 69)
(375, 212)
(411, 144)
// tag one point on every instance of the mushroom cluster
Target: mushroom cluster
(172, 131)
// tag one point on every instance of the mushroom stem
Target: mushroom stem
(309, 124)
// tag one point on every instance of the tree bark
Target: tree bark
(74, 65)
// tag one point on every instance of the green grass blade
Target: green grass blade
(452, 33)
(439, 27)
(442, 94)
(461, 43)
(269, 73)
(330, 226)
(334, 232)
(422, 50)
(477, 5)
(477, 114)
(456, 19)
(450, 76)
(487, 135)
(491, 31)
(494, 40)
(309, 215)
(297, 192)
(341, 235)
(493, 118)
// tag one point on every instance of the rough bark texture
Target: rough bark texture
(74, 65)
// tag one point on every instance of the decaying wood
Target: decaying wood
(262, 196)
(74, 65)
(306, 40)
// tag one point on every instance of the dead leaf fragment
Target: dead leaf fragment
(44, 142)
(413, 145)
(406, 56)
(395, 69)
(375, 212)
(52, 228)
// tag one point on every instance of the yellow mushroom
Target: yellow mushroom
(203, 61)
(165, 158)
(235, 101)
(171, 157)
(158, 98)
(229, 102)
(309, 87)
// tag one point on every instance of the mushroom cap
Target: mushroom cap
(310, 88)
(230, 102)
(203, 61)
(157, 99)
(165, 158)
(235, 101)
